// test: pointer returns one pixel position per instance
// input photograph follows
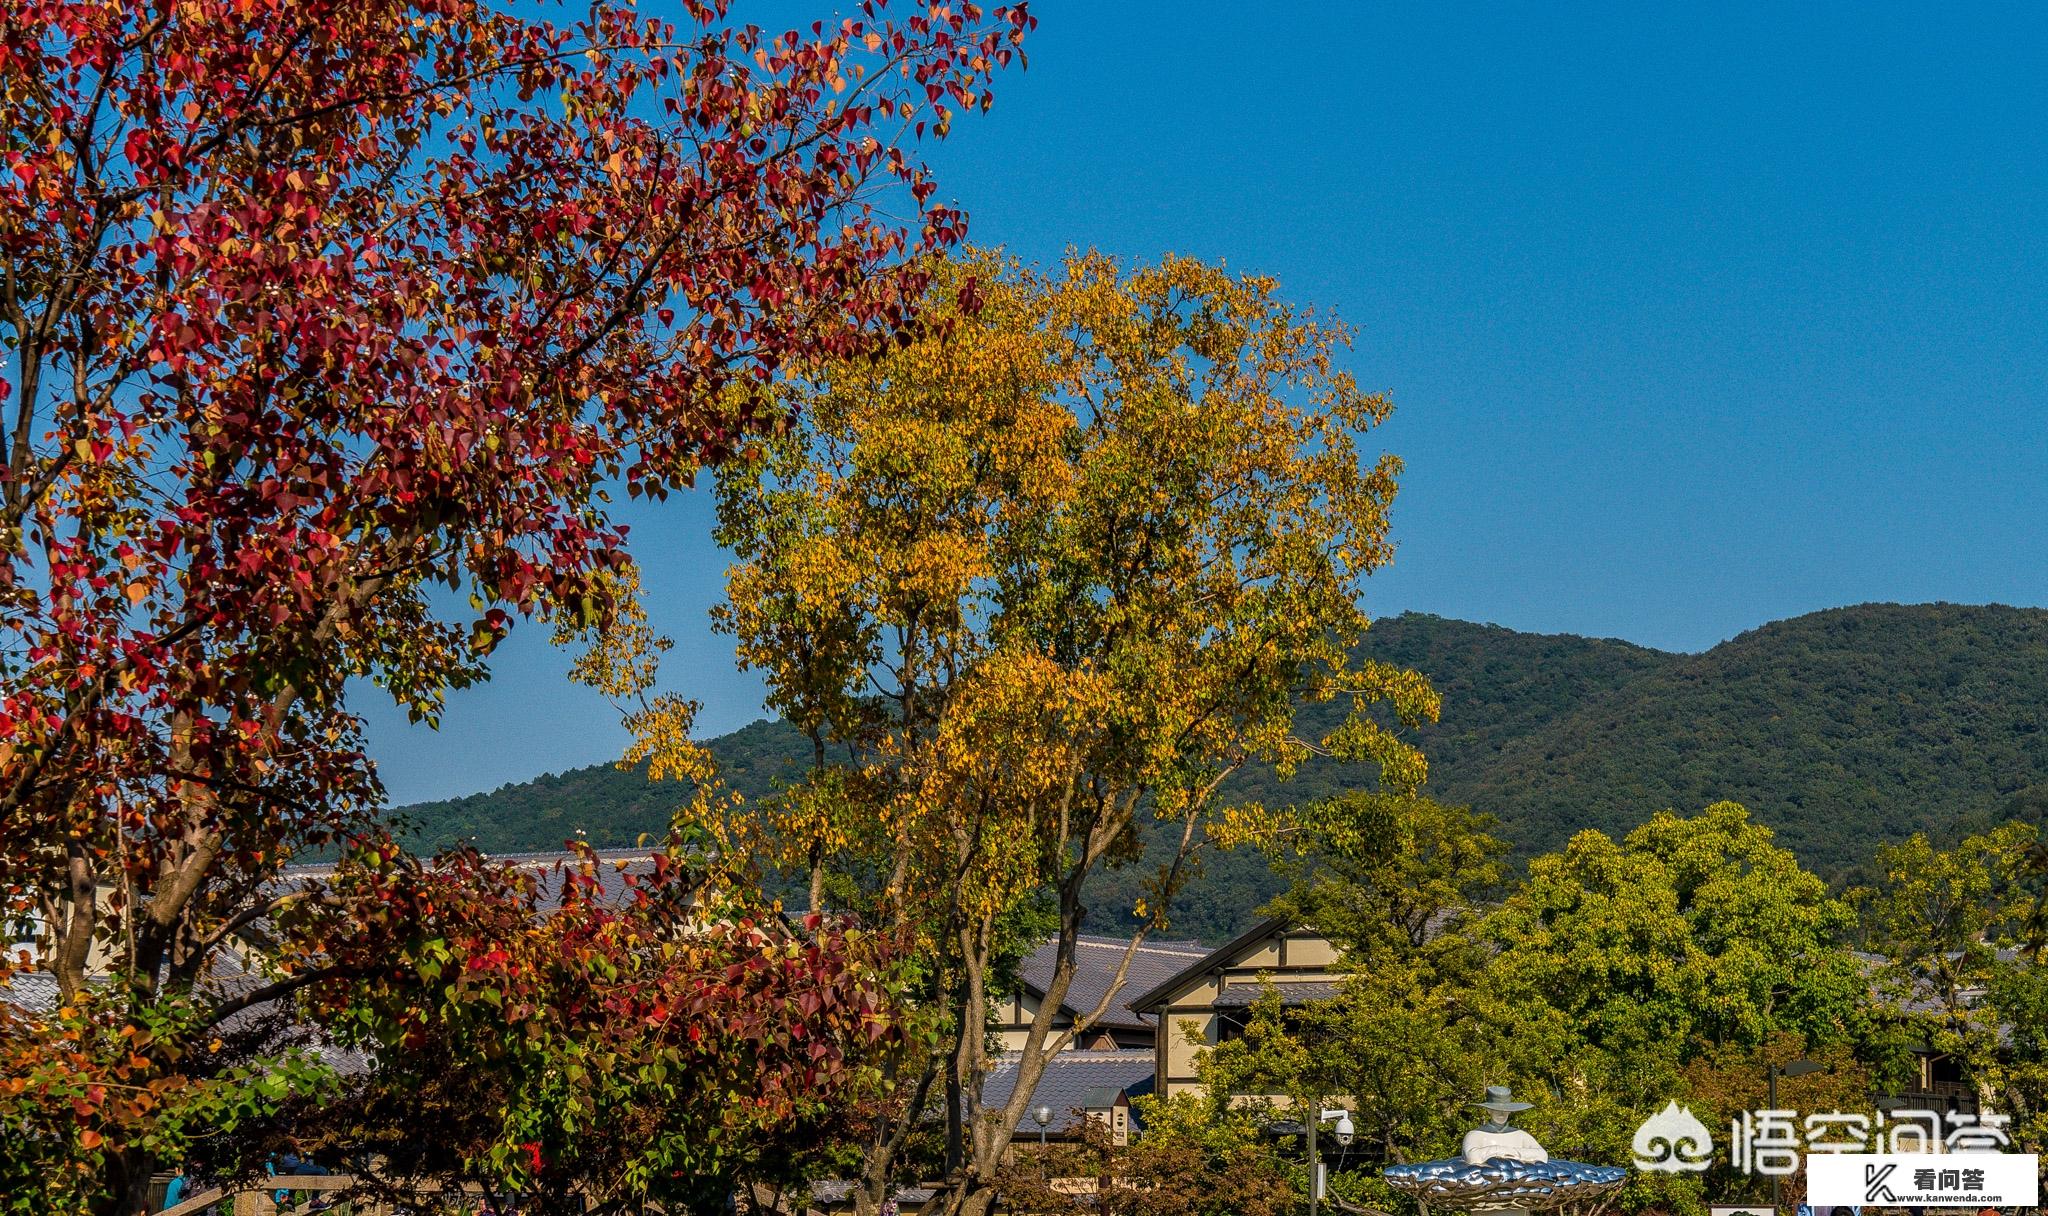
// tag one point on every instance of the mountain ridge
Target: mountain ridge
(1839, 729)
(1897, 717)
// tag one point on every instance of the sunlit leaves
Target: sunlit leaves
(81, 1084)
(1396, 882)
(1690, 930)
(1071, 555)
(1104, 527)
(1952, 926)
(330, 326)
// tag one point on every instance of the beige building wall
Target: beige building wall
(1189, 1019)
(1013, 1021)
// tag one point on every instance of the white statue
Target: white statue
(1495, 1139)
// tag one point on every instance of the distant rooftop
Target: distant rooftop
(1095, 963)
(1073, 1080)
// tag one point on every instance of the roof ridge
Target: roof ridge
(1142, 1002)
(1072, 1053)
(1118, 943)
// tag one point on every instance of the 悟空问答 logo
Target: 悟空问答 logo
(1673, 1140)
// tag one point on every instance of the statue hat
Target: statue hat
(1498, 1098)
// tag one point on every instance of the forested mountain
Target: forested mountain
(611, 806)
(1840, 729)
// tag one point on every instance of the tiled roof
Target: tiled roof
(1173, 983)
(1922, 997)
(1237, 996)
(1070, 1081)
(545, 868)
(835, 1191)
(1158, 993)
(36, 993)
(1095, 964)
(31, 991)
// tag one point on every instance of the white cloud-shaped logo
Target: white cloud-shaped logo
(1673, 1140)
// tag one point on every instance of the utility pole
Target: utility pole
(1315, 1167)
(1315, 1164)
(1792, 1068)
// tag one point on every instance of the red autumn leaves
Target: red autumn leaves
(331, 325)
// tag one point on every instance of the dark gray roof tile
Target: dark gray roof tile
(1095, 964)
(831, 1192)
(30, 991)
(1070, 1081)
(1298, 992)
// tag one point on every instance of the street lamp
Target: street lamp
(1344, 1132)
(1041, 1115)
(1791, 1068)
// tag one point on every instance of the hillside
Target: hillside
(611, 806)
(1839, 728)
(1497, 684)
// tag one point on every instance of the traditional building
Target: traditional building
(1207, 1001)
(1076, 1085)
(1096, 959)
(1142, 1043)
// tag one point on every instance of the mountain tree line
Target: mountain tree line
(1779, 720)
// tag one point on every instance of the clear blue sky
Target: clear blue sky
(1695, 318)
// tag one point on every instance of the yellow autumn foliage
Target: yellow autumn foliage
(1069, 556)
(1065, 558)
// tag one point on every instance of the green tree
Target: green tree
(1394, 880)
(1059, 567)
(1952, 926)
(1387, 876)
(1689, 933)
(2015, 1073)
(1618, 964)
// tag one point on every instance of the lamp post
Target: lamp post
(1041, 1115)
(1315, 1166)
(1791, 1068)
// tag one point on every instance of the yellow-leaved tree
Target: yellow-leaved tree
(1060, 565)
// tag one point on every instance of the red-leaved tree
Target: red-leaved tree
(318, 317)
(590, 1034)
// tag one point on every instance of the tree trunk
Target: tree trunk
(977, 1200)
(128, 1175)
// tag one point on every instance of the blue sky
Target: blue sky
(1695, 318)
